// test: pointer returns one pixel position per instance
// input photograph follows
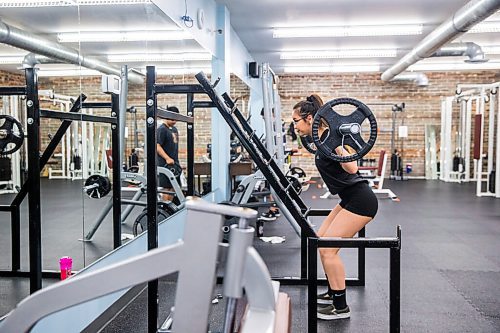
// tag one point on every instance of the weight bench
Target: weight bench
(376, 181)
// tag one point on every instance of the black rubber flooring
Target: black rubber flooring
(450, 259)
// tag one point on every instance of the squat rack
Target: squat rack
(152, 113)
(289, 201)
(36, 162)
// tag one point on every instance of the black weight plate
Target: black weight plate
(308, 144)
(296, 172)
(335, 137)
(141, 222)
(103, 188)
(11, 135)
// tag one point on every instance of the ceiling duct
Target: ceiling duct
(420, 79)
(466, 17)
(33, 59)
(469, 49)
(33, 43)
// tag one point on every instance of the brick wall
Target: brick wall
(422, 104)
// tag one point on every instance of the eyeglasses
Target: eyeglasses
(296, 121)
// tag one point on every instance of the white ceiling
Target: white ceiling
(254, 21)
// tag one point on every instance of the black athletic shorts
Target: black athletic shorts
(359, 199)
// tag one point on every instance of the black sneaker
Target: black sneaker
(277, 212)
(330, 313)
(269, 216)
(325, 298)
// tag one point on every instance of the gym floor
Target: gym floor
(450, 258)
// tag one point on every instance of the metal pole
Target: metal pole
(312, 286)
(151, 193)
(123, 110)
(190, 147)
(395, 286)
(35, 229)
(116, 153)
(16, 237)
(361, 259)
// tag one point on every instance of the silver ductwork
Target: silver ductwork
(465, 18)
(420, 79)
(33, 59)
(469, 49)
(19, 38)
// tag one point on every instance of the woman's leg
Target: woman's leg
(328, 220)
(324, 227)
(345, 224)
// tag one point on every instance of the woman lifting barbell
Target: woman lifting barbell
(357, 207)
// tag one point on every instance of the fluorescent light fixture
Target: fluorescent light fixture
(349, 31)
(183, 71)
(492, 49)
(122, 36)
(459, 66)
(332, 69)
(66, 3)
(159, 57)
(485, 26)
(11, 60)
(337, 54)
(68, 72)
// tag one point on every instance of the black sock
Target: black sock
(339, 299)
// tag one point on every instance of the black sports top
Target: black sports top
(334, 176)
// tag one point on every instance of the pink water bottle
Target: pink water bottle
(65, 263)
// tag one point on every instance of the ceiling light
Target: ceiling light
(332, 69)
(349, 31)
(485, 26)
(121, 36)
(159, 57)
(69, 72)
(66, 3)
(11, 60)
(338, 54)
(182, 71)
(459, 66)
(492, 49)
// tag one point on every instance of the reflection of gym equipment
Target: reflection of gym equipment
(139, 225)
(97, 186)
(11, 135)
(35, 162)
(267, 309)
(13, 167)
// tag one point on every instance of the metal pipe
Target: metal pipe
(19, 38)
(459, 23)
(469, 49)
(123, 112)
(420, 79)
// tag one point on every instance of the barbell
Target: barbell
(97, 186)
